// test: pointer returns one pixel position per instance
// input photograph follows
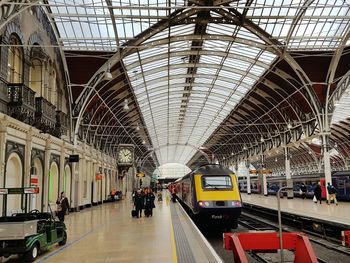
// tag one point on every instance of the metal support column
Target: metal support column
(263, 175)
(326, 160)
(288, 172)
(249, 190)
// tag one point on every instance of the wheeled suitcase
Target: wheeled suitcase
(133, 213)
(147, 212)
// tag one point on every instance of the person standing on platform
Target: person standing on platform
(173, 193)
(303, 190)
(318, 193)
(332, 192)
(62, 206)
(149, 202)
(112, 194)
(139, 203)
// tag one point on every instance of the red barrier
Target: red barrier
(269, 242)
(345, 235)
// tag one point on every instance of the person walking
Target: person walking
(160, 196)
(62, 206)
(139, 203)
(318, 193)
(303, 190)
(332, 192)
(149, 202)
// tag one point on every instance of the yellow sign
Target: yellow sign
(266, 171)
(140, 175)
(263, 171)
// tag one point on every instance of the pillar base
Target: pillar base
(290, 197)
(75, 209)
(266, 195)
(249, 193)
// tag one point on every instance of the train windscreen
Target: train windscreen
(216, 182)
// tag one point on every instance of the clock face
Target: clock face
(125, 155)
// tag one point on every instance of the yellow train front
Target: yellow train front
(210, 193)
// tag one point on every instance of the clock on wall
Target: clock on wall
(125, 154)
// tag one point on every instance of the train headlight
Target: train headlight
(207, 204)
(200, 203)
(236, 203)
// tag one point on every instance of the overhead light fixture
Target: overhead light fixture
(289, 125)
(108, 74)
(137, 127)
(126, 106)
(143, 142)
(276, 160)
(336, 103)
(262, 139)
(244, 147)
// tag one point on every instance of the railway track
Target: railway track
(325, 251)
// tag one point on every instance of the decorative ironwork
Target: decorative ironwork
(45, 115)
(14, 147)
(37, 154)
(9, 7)
(3, 89)
(21, 105)
(62, 124)
(54, 158)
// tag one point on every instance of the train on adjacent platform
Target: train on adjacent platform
(340, 180)
(210, 194)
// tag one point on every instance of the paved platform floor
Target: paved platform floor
(108, 233)
(305, 207)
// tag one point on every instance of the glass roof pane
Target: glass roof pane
(178, 80)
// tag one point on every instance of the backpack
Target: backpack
(334, 190)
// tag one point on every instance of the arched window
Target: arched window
(15, 60)
(36, 76)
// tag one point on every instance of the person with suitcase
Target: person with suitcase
(138, 203)
(149, 202)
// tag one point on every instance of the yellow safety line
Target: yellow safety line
(173, 244)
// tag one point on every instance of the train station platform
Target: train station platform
(108, 233)
(306, 208)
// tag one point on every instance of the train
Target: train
(340, 180)
(210, 194)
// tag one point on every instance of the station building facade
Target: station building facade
(36, 137)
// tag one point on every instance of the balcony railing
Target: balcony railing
(45, 115)
(21, 104)
(62, 124)
(3, 89)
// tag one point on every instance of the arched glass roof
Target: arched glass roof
(342, 108)
(189, 65)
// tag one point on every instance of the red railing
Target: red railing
(269, 242)
(345, 235)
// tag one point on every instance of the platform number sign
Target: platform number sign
(19, 190)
